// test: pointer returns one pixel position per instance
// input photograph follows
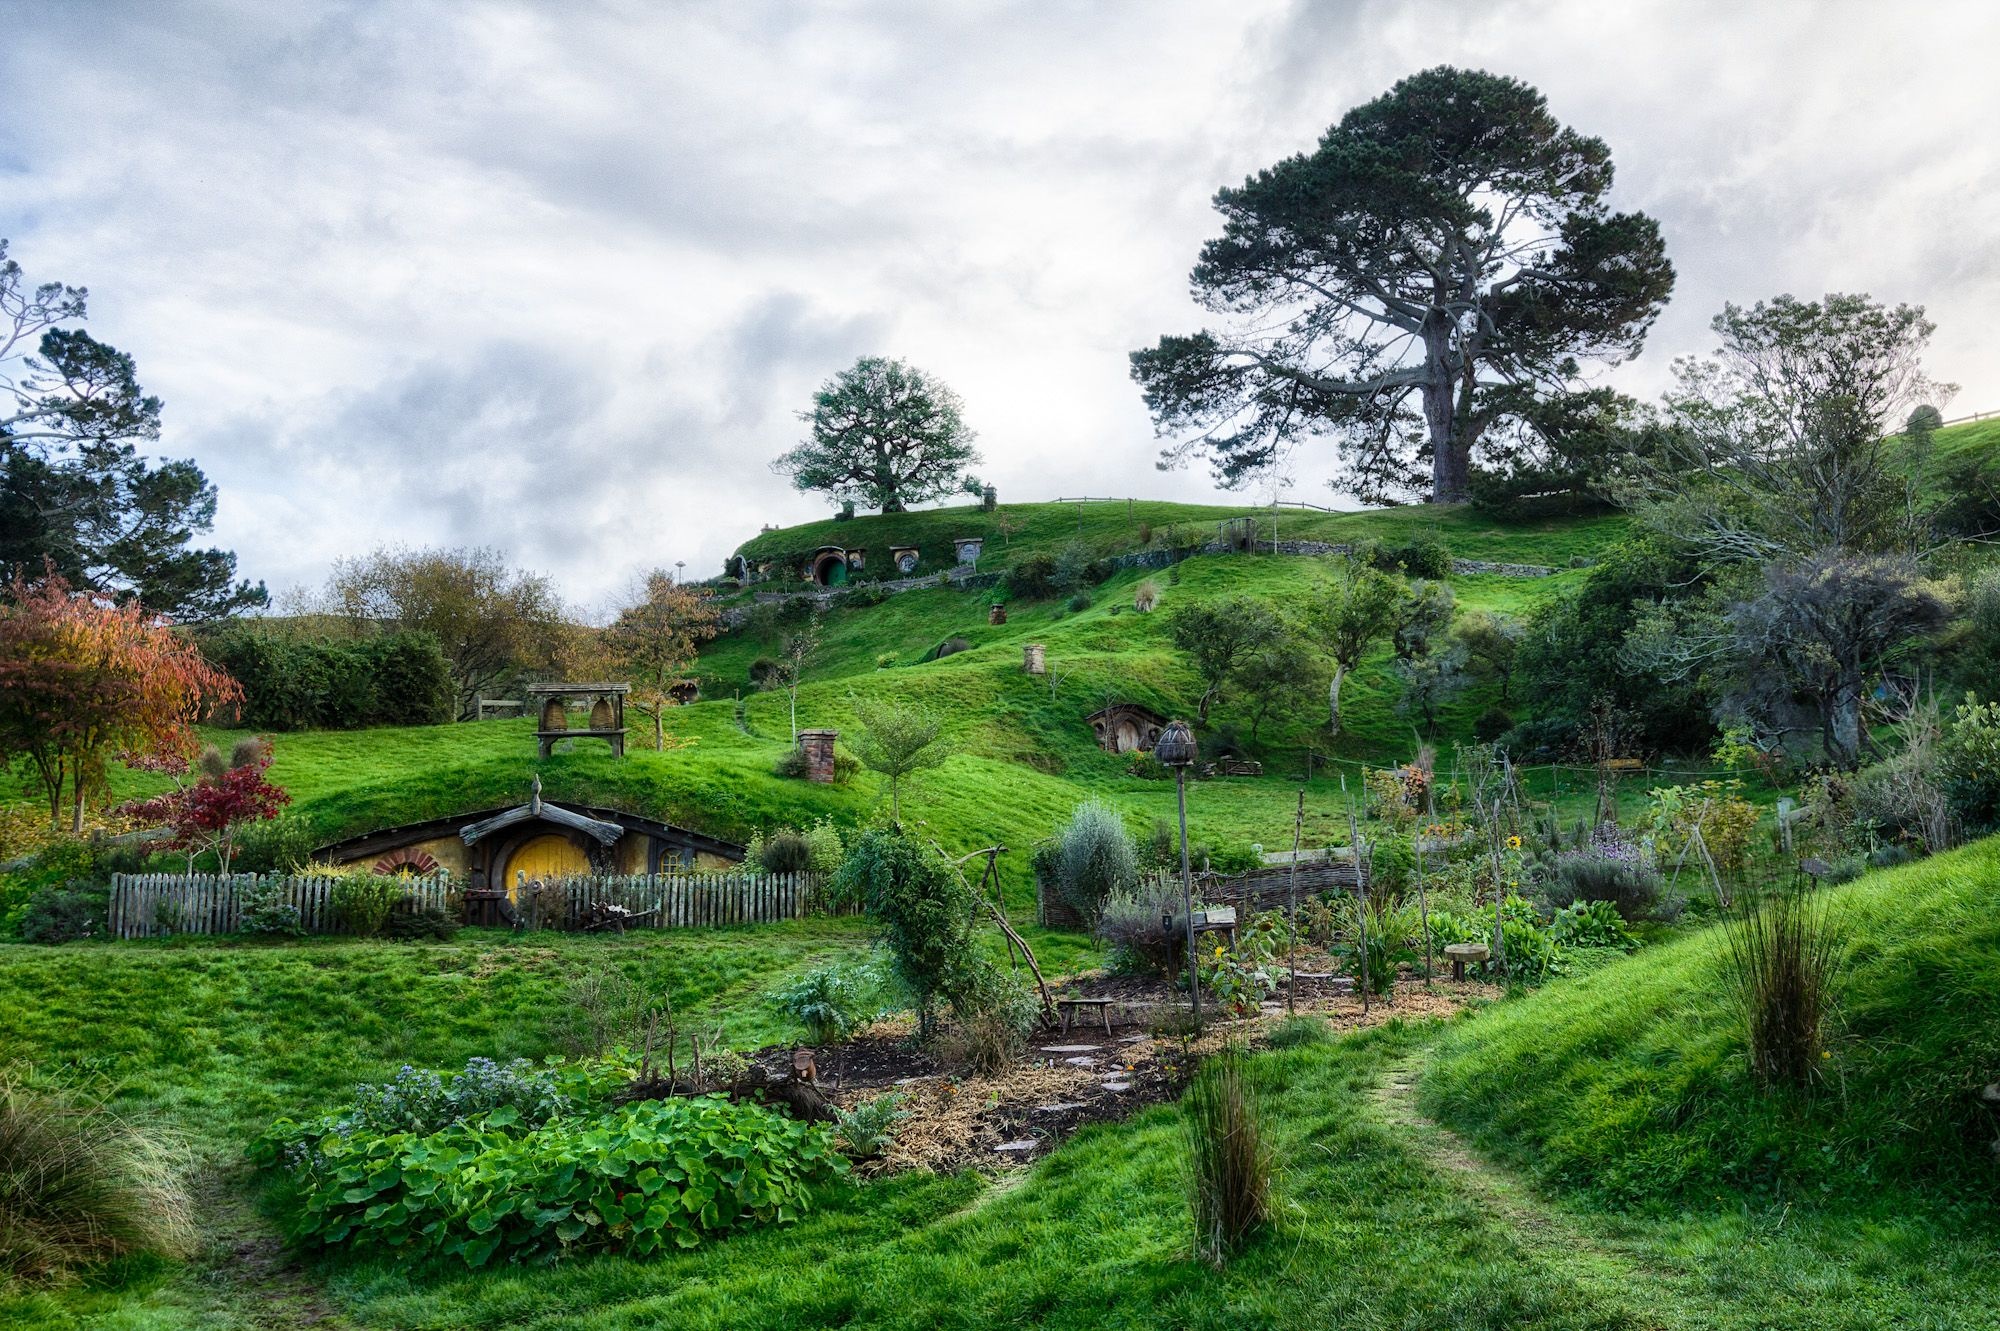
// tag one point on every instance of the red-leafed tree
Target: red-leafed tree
(83, 678)
(227, 795)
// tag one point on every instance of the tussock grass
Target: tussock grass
(80, 1186)
(1228, 1157)
(1782, 961)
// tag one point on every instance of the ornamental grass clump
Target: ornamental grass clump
(1783, 959)
(79, 1186)
(1227, 1159)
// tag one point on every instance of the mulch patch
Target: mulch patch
(1067, 1080)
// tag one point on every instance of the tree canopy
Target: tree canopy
(1425, 281)
(77, 498)
(884, 435)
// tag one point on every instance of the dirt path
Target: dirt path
(246, 1275)
(1615, 1276)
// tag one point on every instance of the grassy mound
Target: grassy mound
(1633, 1083)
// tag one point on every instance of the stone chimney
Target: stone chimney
(817, 746)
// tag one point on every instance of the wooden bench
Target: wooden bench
(1069, 1007)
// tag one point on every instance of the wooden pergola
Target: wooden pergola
(607, 714)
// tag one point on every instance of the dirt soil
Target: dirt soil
(1066, 1080)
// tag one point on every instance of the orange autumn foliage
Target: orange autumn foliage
(84, 679)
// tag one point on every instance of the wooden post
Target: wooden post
(1292, 910)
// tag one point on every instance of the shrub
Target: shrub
(68, 913)
(993, 1015)
(1096, 857)
(1227, 1159)
(1146, 596)
(1781, 965)
(1240, 978)
(1129, 924)
(282, 845)
(294, 683)
(1033, 578)
(1078, 603)
(1493, 723)
(1969, 758)
(863, 595)
(786, 852)
(1609, 869)
(923, 913)
(791, 764)
(824, 848)
(645, 1178)
(1591, 924)
(827, 1000)
(78, 1186)
(266, 912)
(1422, 557)
(363, 901)
(411, 926)
(421, 1101)
(1389, 931)
(1545, 739)
(600, 1008)
(868, 1127)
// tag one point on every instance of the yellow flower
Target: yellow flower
(1218, 950)
(1513, 843)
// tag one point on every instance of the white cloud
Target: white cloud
(557, 277)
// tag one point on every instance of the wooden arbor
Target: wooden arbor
(607, 714)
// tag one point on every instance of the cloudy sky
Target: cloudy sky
(557, 276)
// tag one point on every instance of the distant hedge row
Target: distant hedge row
(394, 679)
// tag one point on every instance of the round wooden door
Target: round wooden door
(545, 856)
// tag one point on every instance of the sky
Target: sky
(558, 277)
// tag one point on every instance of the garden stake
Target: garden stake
(1360, 895)
(1292, 907)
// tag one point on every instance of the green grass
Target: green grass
(1632, 1083)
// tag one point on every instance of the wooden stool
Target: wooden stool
(1069, 1007)
(1461, 953)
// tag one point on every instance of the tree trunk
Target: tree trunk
(76, 806)
(1843, 729)
(659, 729)
(1333, 697)
(1450, 454)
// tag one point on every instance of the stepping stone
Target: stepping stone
(1014, 1148)
(1081, 1062)
(910, 1081)
(1133, 1039)
(1117, 1085)
(1069, 1048)
(1062, 1108)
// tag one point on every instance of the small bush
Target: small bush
(786, 852)
(791, 764)
(1227, 1159)
(864, 595)
(266, 913)
(68, 913)
(1096, 857)
(1129, 924)
(1146, 596)
(1491, 725)
(364, 901)
(1591, 924)
(867, 1129)
(1609, 868)
(993, 1015)
(1078, 603)
(827, 1000)
(1298, 1032)
(1033, 578)
(79, 1187)
(600, 1008)
(283, 844)
(1423, 557)
(1781, 962)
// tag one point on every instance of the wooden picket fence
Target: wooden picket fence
(159, 905)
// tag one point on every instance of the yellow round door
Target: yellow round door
(546, 856)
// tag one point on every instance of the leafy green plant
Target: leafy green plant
(1591, 924)
(79, 1186)
(66, 913)
(641, 1179)
(867, 1128)
(1242, 977)
(1095, 858)
(364, 901)
(1388, 934)
(827, 1000)
(266, 912)
(923, 913)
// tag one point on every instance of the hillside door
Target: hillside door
(545, 856)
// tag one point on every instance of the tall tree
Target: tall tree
(491, 620)
(84, 679)
(1347, 618)
(1430, 275)
(1784, 442)
(1219, 637)
(76, 495)
(1493, 641)
(885, 435)
(655, 640)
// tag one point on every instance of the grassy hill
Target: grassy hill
(1631, 1083)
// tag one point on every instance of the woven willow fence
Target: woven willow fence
(159, 905)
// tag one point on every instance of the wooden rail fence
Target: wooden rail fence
(159, 905)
